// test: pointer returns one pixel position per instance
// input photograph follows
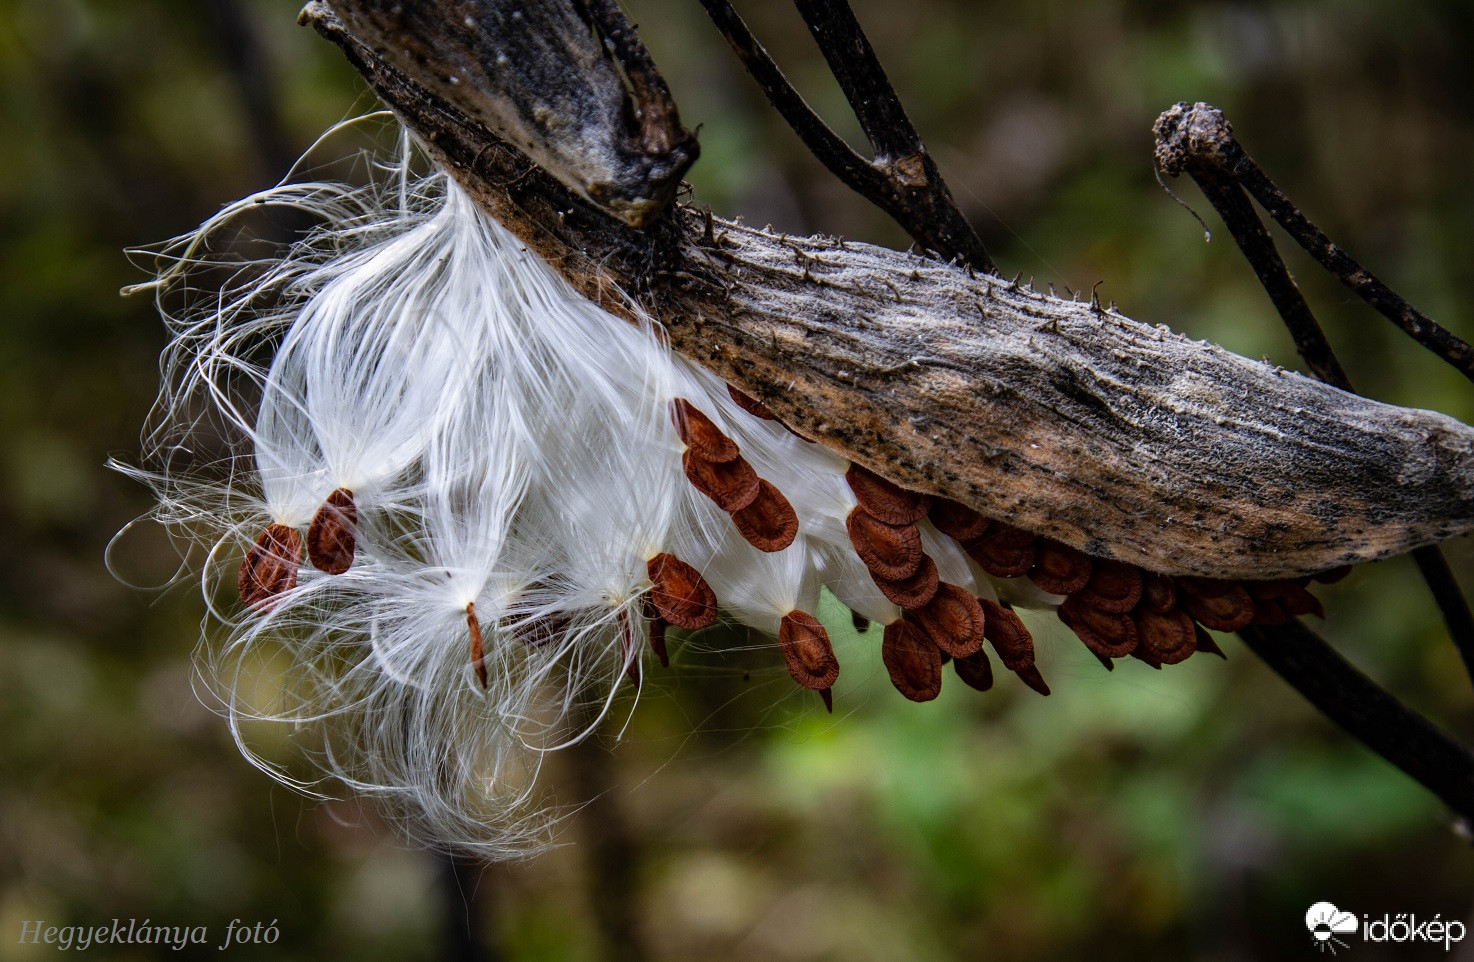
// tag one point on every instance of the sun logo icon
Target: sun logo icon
(1325, 922)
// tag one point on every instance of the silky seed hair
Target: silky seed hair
(445, 504)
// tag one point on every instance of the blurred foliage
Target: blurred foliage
(1193, 812)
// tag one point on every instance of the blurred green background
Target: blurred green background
(1193, 812)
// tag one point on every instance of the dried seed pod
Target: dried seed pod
(1166, 638)
(1108, 634)
(912, 592)
(976, 671)
(733, 485)
(1220, 605)
(750, 404)
(1004, 551)
(957, 521)
(889, 551)
(269, 568)
(769, 523)
(1158, 593)
(889, 502)
(679, 593)
(1115, 587)
(1008, 634)
(807, 651)
(478, 651)
(700, 434)
(332, 535)
(953, 621)
(913, 662)
(1060, 569)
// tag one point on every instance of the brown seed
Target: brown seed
(1008, 634)
(807, 651)
(828, 696)
(953, 621)
(679, 594)
(1108, 634)
(889, 502)
(478, 652)
(1004, 551)
(700, 434)
(1299, 601)
(1115, 587)
(269, 568)
(750, 404)
(1167, 638)
(913, 662)
(976, 671)
(890, 551)
(533, 632)
(861, 623)
(733, 485)
(912, 592)
(1158, 593)
(1220, 605)
(1030, 676)
(656, 626)
(1269, 613)
(769, 523)
(1332, 576)
(957, 521)
(1060, 569)
(1206, 643)
(331, 537)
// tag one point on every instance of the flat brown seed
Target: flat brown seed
(1108, 634)
(953, 621)
(769, 523)
(733, 485)
(890, 551)
(828, 696)
(1030, 676)
(332, 535)
(1008, 634)
(807, 651)
(269, 568)
(1168, 637)
(679, 594)
(700, 434)
(1206, 643)
(1004, 551)
(1115, 587)
(1060, 569)
(750, 404)
(1269, 613)
(1158, 593)
(1299, 601)
(861, 623)
(912, 592)
(913, 662)
(628, 652)
(478, 650)
(1332, 576)
(976, 671)
(889, 502)
(957, 521)
(656, 626)
(1227, 608)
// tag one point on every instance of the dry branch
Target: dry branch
(1063, 418)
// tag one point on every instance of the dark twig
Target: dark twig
(903, 180)
(1198, 141)
(1368, 713)
(1202, 139)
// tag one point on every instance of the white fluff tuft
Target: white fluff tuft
(512, 458)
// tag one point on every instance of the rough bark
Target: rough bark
(1063, 418)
